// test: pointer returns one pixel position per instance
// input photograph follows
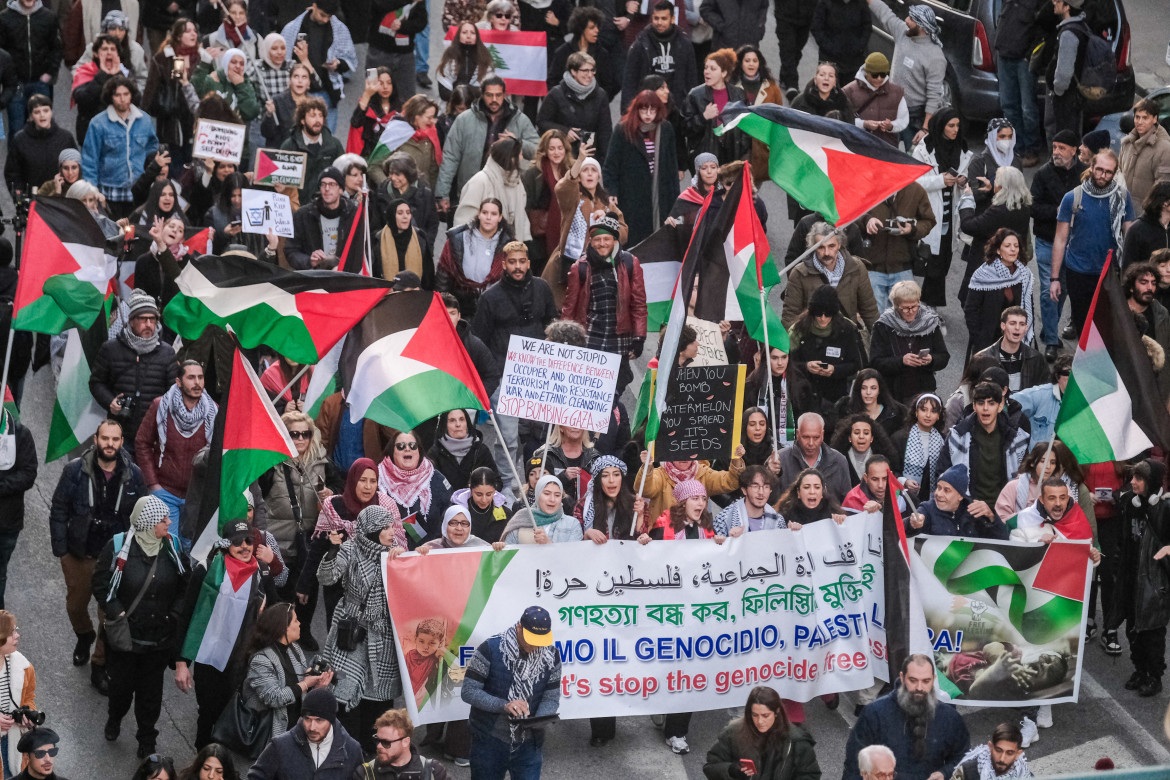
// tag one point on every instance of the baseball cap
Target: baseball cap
(537, 627)
(237, 530)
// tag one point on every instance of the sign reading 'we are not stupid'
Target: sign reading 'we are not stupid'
(558, 383)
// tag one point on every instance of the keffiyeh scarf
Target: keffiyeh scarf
(148, 512)
(835, 275)
(996, 276)
(527, 670)
(917, 459)
(982, 756)
(599, 465)
(678, 475)
(140, 345)
(1116, 194)
(407, 486)
(187, 421)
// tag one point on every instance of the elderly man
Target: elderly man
(876, 762)
(1000, 756)
(926, 736)
(948, 512)
(810, 451)
(40, 745)
(833, 265)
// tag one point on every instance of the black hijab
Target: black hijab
(947, 153)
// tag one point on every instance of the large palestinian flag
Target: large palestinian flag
(1111, 409)
(76, 415)
(404, 363)
(65, 271)
(831, 167)
(660, 255)
(220, 609)
(396, 132)
(301, 315)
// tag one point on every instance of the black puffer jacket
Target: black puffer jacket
(32, 155)
(33, 40)
(510, 308)
(18, 479)
(155, 621)
(71, 514)
(119, 369)
(1144, 237)
(563, 110)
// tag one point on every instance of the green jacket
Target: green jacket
(241, 97)
(796, 759)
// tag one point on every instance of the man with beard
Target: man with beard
(1054, 515)
(1140, 283)
(93, 501)
(1056, 177)
(927, 736)
(1001, 757)
(312, 137)
(518, 304)
(396, 757)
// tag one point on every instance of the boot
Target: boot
(99, 679)
(81, 651)
(1151, 687)
(113, 729)
(1135, 681)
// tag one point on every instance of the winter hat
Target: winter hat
(332, 173)
(1066, 137)
(689, 488)
(330, 7)
(877, 63)
(69, 155)
(406, 280)
(115, 20)
(319, 703)
(824, 302)
(35, 738)
(956, 477)
(142, 302)
(705, 157)
(590, 161)
(1096, 140)
(607, 224)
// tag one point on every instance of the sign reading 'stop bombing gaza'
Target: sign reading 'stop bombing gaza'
(558, 383)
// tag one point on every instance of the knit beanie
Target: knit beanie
(142, 302)
(877, 63)
(319, 703)
(956, 477)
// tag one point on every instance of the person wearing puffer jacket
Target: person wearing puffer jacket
(949, 512)
(459, 448)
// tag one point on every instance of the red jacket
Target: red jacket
(631, 299)
(174, 472)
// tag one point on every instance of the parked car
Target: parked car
(967, 30)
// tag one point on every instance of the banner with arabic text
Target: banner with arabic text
(671, 626)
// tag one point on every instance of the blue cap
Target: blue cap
(537, 627)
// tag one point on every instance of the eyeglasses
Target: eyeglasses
(908, 309)
(586, 70)
(403, 446)
(389, 743)
(459, 524)
(45, 752)
(502, 15)
(301, 434)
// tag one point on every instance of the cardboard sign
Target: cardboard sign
(276, 166)
(262, 211)
(703, 414)
(711, 349)
(558, 383)
(222, 141)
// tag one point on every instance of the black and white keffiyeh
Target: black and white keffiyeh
(835, 275)
(996, 276)
(527, 669)
(599, 465)
(187, 421)
(917, 459)
(982, 754)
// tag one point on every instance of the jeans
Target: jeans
(883, 283)
(18, 108)
(422, 50)
(7, 545)
(508, 449)
(917, 118)
(1049, 309)
(331, 115)
(1017, 95)
(491, 759)
(174, 504)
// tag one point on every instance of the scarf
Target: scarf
(836, 101)
(540, 517)
(690, 471)
(1002, 159)
(353, 504)
(407, 486)
(148, 512)
(331, 520)
(996, 276)
(457, 447)
(527, 670)
(140, 345)
(430, 134)
(235, 35)
(925, 322)
(982, 756)
(599, 465)
(582, 91)
(752, 87)
(917, 459)
(187, 421)
(835, 275)
(924, 17)
(1116, 194)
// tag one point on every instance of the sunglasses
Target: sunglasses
(301, 434)
(880, 75)
(45, 752)
(389, 743)
(502, 15)
(245, 542)
(403, 446)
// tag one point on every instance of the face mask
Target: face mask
(1003, 145)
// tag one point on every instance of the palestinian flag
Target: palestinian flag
(76, 415)
(645, 395)
(220, 609)
(301, 314)
(1039, 589)
(659, 255)
(355, 255)
(324, 380)
(65, 272)
(10, 404)
(413, 530)
(1111, 409)
(736, 272)
(397, 132)
(520, 58)
(833, 168)
(404, 363)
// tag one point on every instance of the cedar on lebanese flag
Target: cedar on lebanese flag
(1111, 409)
(737, 271)
(301, 315)
(404, 363)
(65, 271)
(831, 167)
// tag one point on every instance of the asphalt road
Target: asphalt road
(1107, 721)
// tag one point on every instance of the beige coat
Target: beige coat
(1145, 159)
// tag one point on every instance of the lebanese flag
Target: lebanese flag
(520, 58)
(831, 167)
(300, 314)
(65, 272)
(404, 363)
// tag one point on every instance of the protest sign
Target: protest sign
(711, 350)
(1006, 619)
(638, 635)
(702, 419)
(262, 211)
(223, 141)
(558, 383)
(276, 166)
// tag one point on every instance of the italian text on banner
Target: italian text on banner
(671, 626)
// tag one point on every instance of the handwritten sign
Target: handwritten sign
(558, 383)
(262, 211)
(711, 349)
(702, 417)
(276, 166)
(223, 141)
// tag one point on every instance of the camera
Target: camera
(127, 403)
(21, 201)
(318, 668)
(31, 716)
(896, 224)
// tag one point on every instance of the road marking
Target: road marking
(1148, 741)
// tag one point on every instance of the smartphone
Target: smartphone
(177, 68)
(747, 765)
(952, 172)
(587, 138)
(301, 37)
(320, 484)
(235, 223)
(371, 74)
(924, 353)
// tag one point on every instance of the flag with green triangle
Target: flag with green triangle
(76, 415)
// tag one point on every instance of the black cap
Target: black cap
(1096, 140)
(319, 703)
(1066, 137)
(36, 738)
(237, 530)
(406, 280)
(536, 626)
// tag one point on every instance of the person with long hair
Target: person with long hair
(757, 440)
(417, 489)
(924, 438)
(806, 501)
(823, 94)
(657, 84)
(545, 521)
(778, 748)
(20, 691)
(465, 62)
(224, 217)
(473, 257)
(686, 207)
(640, 162)
(759, 86)
(907, 344)
(156, 269)
(156, 767)
(423, 147)
(704, 104)
(578, 104)
(944, 149)
(169, 96)
(1039, 464)
(278, 122)
(791, 393)
(827, 344)
(585, 24)
(400, 179)
(461, 99)
(404, 247)
(499, 179)
(213, 762)
(871, 396)
(569, 452)
(375, 108)
(1003, 281)
(1010, 206)
(486, 504)
(858, 436)
(607, 512)
(162, 201)
(1151, 231)
(552, 161)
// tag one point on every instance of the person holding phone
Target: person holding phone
(762, 744)
(578, 105)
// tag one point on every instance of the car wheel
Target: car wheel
(950, 92)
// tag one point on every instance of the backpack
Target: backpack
(1096, 71)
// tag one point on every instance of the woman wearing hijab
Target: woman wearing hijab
(944, 149)
(459, 449)
(272, 69)
(142, 569)
(569, 451)
(545, 522)
(228, 78)
(826, 344)
(224, 598)
(162, 201)
(640, 162)
(339, 514)
(404, 247)
(419, 492)
(791, 394)
(999, 152)
(456, 533)
(360, 647)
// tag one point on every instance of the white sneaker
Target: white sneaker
(1044, 716)
(679, 745)
(1029, 731)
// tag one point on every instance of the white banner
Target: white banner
(711, 349)
(262, 211)
(558, 383)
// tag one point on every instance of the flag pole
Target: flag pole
(515, 471)
(547, 442)
(642, 486)
(367, 261)
(768, 374)
(7, 361)
(837, 231)
(300, 374)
